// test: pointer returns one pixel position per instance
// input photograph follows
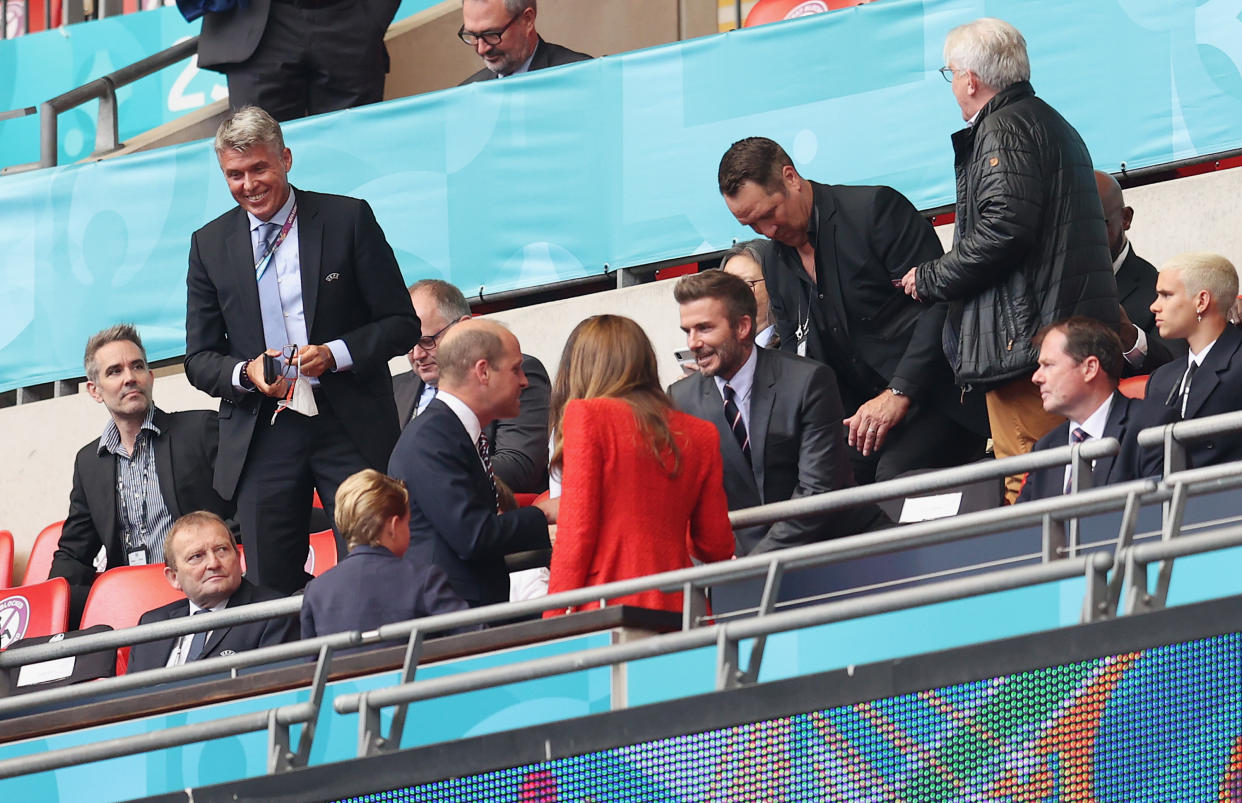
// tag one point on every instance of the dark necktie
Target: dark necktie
(485, 456)
(1077, 436)
(734, 416)
(197, 643)
(1186, 380)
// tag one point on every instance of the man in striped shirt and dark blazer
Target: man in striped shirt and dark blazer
(145, 470)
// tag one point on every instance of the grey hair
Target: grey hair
(992, 49)
(113, 334)
(450, 302)
(759, 249)
(247, 127)
(514, 7)
(1201, 270)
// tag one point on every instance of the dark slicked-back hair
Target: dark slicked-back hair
(733, 292)
(1087, 337)
(756, 159)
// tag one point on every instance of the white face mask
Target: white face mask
(303, 398)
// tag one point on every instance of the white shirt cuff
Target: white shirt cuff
(237, 385)
(1135, 355)
(340, 353)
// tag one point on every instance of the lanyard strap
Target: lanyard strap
(266, 259)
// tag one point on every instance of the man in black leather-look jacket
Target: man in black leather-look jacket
(1030, 246)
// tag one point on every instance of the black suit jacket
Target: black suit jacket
(1136, 287)
(373, 587)
(519, 446)
(546, 55)
(227, 640)
(453, 519)
(1122, 424)
(871, 333)
(351, 289)
(1216, 388)
(796, 448)
(185, 456)
(231, 37)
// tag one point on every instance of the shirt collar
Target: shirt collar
(464, 414)
(743, 380)
(195, 608)
(110, 440)
(1121, 257)
(1094, 425)
(281, 215)
(1199, 358)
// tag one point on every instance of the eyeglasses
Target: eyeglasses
(489, 37)
(752, 282)
(429, 342)
(948, 73)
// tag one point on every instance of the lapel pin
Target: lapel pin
(332, 277)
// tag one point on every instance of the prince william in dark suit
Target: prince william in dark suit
(301, 269)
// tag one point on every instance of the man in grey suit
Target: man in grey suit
(503, 33)
(779, 415)
(519, 446)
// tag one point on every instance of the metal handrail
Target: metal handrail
(103, 89)
(1175, 436)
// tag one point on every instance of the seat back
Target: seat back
(6, 558)
(41, 609)
(122, 595)
(1134, 387)
(39, 564)
(322, 554)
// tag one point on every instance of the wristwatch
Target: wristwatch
(244, 378)
(897, 392)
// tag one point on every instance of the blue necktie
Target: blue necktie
(274, 335)
(197, 643)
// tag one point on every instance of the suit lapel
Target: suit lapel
(762, 398)
(105, 497)
(713, 405)
(826, 266)
(1215, 363)
(310, 257)
(1114, 427)
(240, 597)
(164, 466)
(239, 252)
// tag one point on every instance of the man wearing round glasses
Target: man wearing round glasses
(503, 33)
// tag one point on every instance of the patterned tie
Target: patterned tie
(734, 416)
(197, 643)
(1077, 436)
(1186, 380)
(486, 457)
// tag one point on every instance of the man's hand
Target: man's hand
(316, 360)
(254, 370)
(1127, 331)
(550, 506)
(908, 284)
(871, 423)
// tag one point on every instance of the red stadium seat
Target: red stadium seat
(41, 609)
(1134, 387)
(766, 11)
(122, 595)
(322, 555)
(39, 564)
(6, 558)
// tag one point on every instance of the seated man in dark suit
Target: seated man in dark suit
(1144, 349)
(1080, 365)
(779, 415)
(442, 458)
(202, 562)
(132, 482)
(519, 446)
(1194, 294)
(503, 33)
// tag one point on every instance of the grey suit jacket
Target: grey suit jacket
(519, 446)
(796, 444)
(546, 55)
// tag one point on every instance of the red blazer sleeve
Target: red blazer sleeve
(711, 536)
(578, 524)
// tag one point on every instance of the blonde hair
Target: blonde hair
(364, 502)
(1202, 270)
(609, 356)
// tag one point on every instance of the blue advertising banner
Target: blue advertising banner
(611, 163)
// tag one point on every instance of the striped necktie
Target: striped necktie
(1077, 436)
(734, 416)
(485, 455)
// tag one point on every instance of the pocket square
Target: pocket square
(332, 277)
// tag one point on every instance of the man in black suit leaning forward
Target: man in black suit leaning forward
(201, 561)
(1080, 364)
(441, 456)
(301, 269)
(779, 415)
(839, 250)
(503, 33)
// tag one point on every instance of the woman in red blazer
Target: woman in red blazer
(642, 484)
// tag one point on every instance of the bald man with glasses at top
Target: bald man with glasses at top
(503, 33)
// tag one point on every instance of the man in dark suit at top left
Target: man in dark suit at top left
(145, 470)
(296, 57)
(284, 268)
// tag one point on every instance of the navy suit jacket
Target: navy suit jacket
(453, 519)
(519, 446)
(373, 587)
(546, 55)
(1216, 388)
(351, 289)
(1122, 424)
(226, 640)
(796, 448)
